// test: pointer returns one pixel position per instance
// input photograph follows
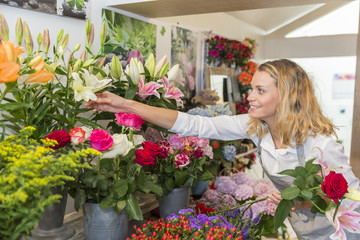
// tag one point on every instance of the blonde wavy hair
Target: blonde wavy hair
(298, 114)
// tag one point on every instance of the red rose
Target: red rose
(101, 140)
(61, 136)
(153, 148)
(144, 158)
(215, 144)
(334, 186)
(129, 120)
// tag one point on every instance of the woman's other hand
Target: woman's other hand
(109, 102)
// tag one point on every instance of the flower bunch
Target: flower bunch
(326, 190)
(243, 189)
(46, 89)
(211, 110)
(186, 226)
(113, 180)
(175, 162)
(230, 51)
(29, 170)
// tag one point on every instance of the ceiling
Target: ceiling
(269, 16)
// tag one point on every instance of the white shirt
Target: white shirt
(235, 127)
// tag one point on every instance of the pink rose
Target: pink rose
(77, 135)
(182, 160)
(61, 136)
(129, 120)
(101, 140)
(176, 141)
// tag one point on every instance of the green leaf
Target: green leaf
(130, 93)
(300, 171)
(300, 182)
(290, 193)
(282, 211)
(133, 208)
(169, 184)
(15, 106)
(289, 172)
(120, 188)
(180, 178)
(121, 204)
(320, 203)
(205, 176)
(306, 194)
(80, 199)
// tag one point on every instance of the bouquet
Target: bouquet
(175, 162)
(326, 190)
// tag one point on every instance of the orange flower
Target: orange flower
(9, 72)
(9, 68)
(41, 75)
(245, 78)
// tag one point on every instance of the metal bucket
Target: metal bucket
(177, 199)
(104, 223)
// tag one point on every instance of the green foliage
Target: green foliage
(28, 172)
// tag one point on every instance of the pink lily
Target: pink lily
(148, 89)
(346, 218)
(171, 92)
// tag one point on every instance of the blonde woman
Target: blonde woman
(284, 121)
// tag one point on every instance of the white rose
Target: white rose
(121, 146)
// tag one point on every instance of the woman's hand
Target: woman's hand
(276, 198)
(109, 102)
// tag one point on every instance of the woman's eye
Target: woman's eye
(260, 90)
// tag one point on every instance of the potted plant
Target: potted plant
(29, 170)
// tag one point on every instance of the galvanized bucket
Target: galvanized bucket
(177, 199)
(104, 223)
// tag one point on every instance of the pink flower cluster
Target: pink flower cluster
(241, 188)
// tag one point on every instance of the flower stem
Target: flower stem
(242, 205)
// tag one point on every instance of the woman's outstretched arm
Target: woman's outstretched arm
(110, 102)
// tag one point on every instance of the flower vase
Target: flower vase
(51, 225)
(104, 224)
(199, 188)
(176, 200)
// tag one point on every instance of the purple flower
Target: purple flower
(227, 187)
(186, 212)
(219, 180)
(241, 178)
(243, 192)
(172, 217)
(211, 194)
(213, 53)
(135, 54)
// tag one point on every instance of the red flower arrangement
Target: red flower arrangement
(228, 51)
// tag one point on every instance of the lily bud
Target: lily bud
(88, 62)
(150, 64)
(4, 28)
(83, 55)
(103, 34)
(164, 70)
(59, 36)
(46, 41)
(28, 39)
(100, 62)
(141, 69)
(173, 72)
(88, 27)
(35, 61)
(52, 67)
(116, 68)
(63, 44)
(39, 39)
(77, 47)
(352, 194)
(19, 31)
(160, 65)
(77, 64)
(134, 71)
(90, 37)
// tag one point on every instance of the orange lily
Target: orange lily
(41, 75)
(9, 72)
(9, 68)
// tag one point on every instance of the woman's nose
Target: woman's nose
(250, 96)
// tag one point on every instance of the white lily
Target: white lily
(134, 71)
(160, 65)
(93, 82)
(121, 146)
(150, 64)
(173, 73)
(81, 91)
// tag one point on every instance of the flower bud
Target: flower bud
(77, 64)
(4, 28)
(103, 34)
(35, 61)
(83, 56)
(39, 39)
(90, 37)
(88, 27)
(19, 31)
(164, 70)
(63, 43)
(60, 35)
(160, 65)
(28, 39)
(116, 68)
(173, 73)
(46, 41)
(88, 62)
(77, 47)
(352, 194)
(150, 64)
(100, 62)
(134, 71)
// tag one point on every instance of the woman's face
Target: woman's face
(264, 98)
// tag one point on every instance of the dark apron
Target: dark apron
(305, 224)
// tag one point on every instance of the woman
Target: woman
(284, 121)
